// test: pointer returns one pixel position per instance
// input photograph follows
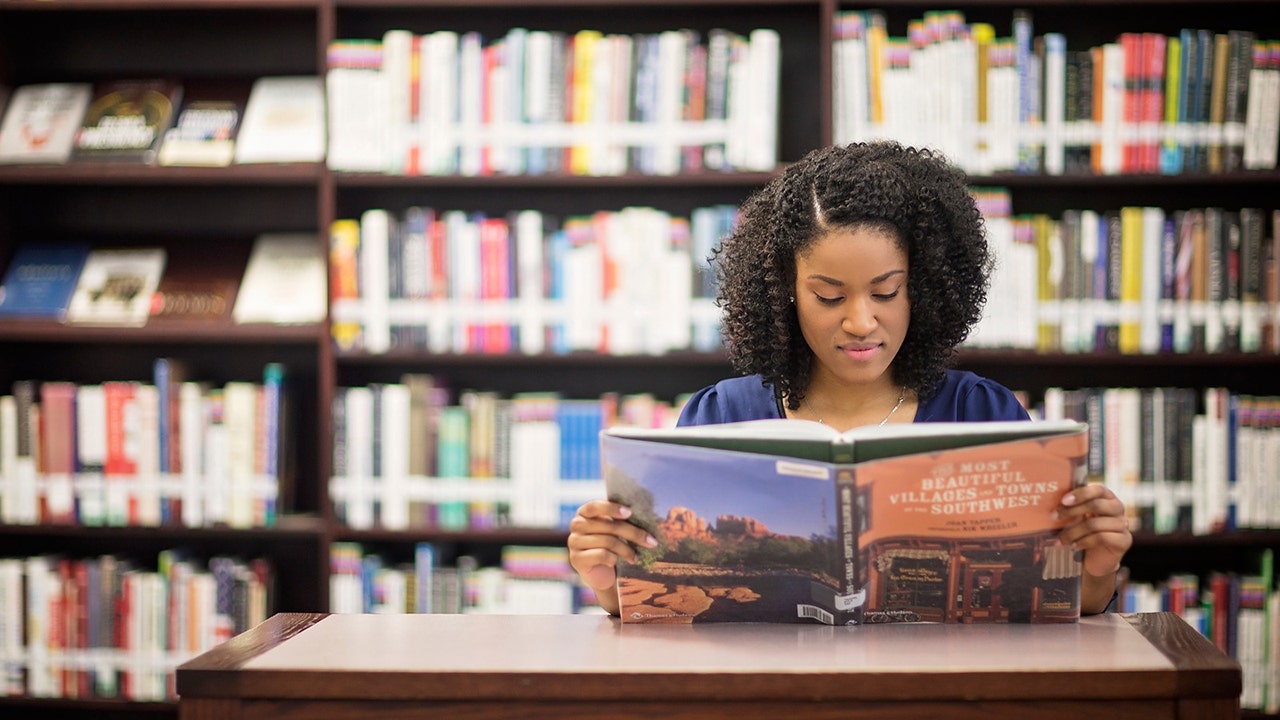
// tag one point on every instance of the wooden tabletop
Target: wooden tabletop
(316, 657)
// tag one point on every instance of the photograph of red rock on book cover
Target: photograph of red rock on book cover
(953, 536)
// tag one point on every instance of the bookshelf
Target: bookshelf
(220, 209)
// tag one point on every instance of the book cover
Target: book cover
(127, 120)
(116, 285)
(41, 121)
(790, 521)
(204, 133)
(284, 121)
(199, 286)
(40, 278)
(284, 281)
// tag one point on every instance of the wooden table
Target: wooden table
(590, 666)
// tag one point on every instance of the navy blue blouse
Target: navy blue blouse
(963, 397)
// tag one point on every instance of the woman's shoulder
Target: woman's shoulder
(967, 396)
(730, 400)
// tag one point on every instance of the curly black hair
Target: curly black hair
(917, 195)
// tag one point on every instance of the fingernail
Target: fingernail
(650, 541)
(624, 512)
(1053, 515)
(1069, 499)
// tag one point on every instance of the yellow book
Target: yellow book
(584, 58)
(1170, 150)
(1130, 279)
(983, 35)
(877, 34)
(344, 286)
(1049, 260)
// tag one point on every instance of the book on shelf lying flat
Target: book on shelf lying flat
(40, 278)
(285, 281)
(127, 119)
(41, 121)
(116, 285)
(791, 521)
(207, 124)
(284, 121)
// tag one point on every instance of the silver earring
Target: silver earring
(792, 299)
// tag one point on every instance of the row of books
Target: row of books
(404, 456)
(530, 580)
(1182, 460)
(1198, 101)
(536, 101)
(1239, 612)
(283, 281)
(109, 627)
(1137, 280)
(175, 451)
(165, 121)
(621, 282)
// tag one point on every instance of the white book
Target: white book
(529, 281)
(116, 285)
(395, 456)
(147, 407)
(672, 319)
(192, 420)
(8, 460)
(1152, 235)
(214, 470)
(537, 95)
(1112, 119)
(358, 109)
(470, 103)
(671, 53)
(397, 69)
(40, 578)
(285, 281)
(41, 121)
(762, 124)
(464, 261)
(240, 400)
(12, 626)
(359, 401)
(284, 121)
(375, 278)
(623, 48)
(584, 294)
(535, 473)
(91, 448)
(1055, 74)
(439, 83)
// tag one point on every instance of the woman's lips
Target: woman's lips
(859, 352)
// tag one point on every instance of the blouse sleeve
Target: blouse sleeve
(988, 400)
(701, 409)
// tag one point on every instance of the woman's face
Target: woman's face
(851, 298)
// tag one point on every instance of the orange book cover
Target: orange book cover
(790, 521)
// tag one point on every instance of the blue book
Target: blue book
(41, 278)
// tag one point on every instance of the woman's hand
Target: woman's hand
(600, 536)
(1096, 524)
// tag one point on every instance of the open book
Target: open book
(790, 521)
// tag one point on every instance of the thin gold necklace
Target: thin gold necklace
(902, 396)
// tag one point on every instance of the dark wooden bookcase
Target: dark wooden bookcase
(217, 209)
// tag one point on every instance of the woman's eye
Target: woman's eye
(885, 296)
(828, 300)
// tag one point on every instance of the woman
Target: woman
(846, 287)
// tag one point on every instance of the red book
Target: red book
(495, 280)
(121, 466)
(1131, 43)
(58, 451)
